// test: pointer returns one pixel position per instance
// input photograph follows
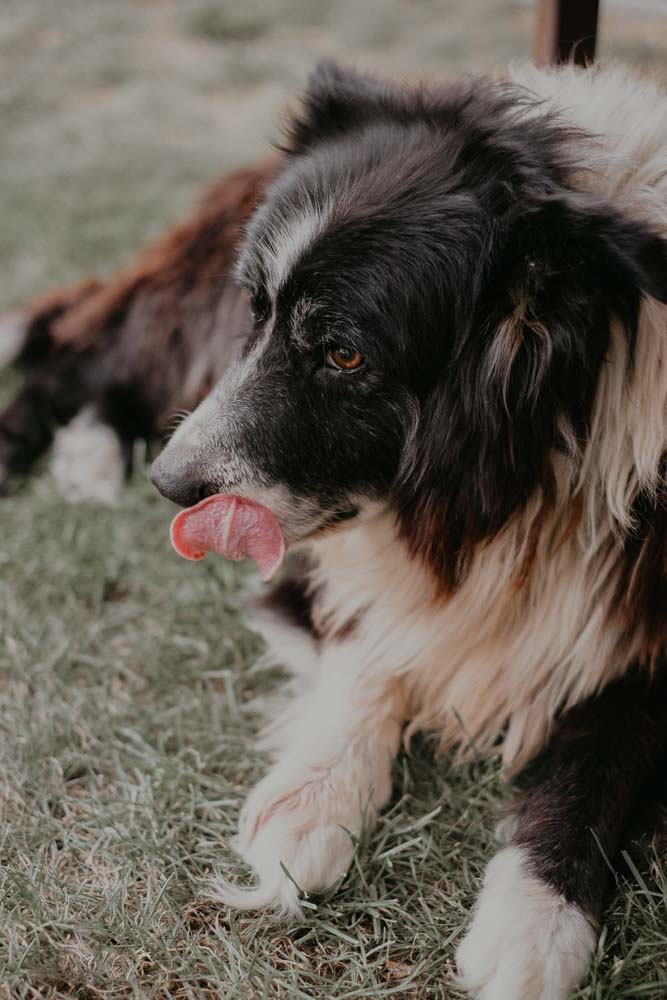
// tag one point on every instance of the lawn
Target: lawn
(129, 695)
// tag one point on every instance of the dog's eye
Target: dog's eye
(345, 359)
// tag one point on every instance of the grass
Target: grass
(128, 720)
(128, 696)
(127, 714)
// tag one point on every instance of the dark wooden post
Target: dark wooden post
(566, 31)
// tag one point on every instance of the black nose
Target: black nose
(184, 486)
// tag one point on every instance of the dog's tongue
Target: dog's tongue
(233, 527)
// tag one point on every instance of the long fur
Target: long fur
(483, 500)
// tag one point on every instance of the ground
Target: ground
(128, 698)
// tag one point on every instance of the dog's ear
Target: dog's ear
(522, 377)
(623, 249)
(571, 263)
(335, 99)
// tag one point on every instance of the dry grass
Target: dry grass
(126, 683)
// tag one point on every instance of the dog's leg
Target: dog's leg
(537, 918)
(332, 775)
(47, 398)
(52, 391)
(87, 461)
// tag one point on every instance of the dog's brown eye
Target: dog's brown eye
(346, 359)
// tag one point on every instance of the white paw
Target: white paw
(525, 941)
(296, 822)
(87, 460)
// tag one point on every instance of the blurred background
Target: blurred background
(115, 113)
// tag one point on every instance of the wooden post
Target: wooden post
(566, 31)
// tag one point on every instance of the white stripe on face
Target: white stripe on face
(284, 244)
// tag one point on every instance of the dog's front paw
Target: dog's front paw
(87, 460)
(294, 832)
(525, 942)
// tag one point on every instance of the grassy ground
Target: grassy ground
(127, 689)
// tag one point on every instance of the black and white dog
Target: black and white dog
(453, 401)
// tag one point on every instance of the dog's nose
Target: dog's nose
(183, 486)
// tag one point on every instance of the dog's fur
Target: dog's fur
(482, 502)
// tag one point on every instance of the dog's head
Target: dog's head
(432, 302)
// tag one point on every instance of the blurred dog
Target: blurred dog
(452, 396)
(113, 362)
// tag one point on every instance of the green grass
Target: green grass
(127, 717)
(128, 721)
(128, 696)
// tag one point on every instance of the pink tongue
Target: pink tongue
(233, 527)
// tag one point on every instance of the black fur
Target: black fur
(478, 282)
(459, 258)
(604, 763)
(292, 598)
